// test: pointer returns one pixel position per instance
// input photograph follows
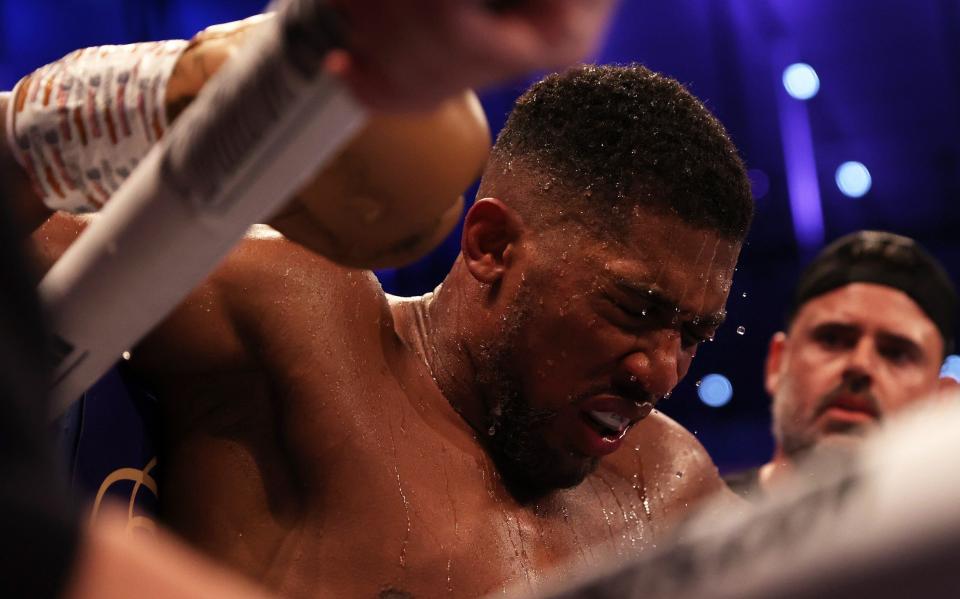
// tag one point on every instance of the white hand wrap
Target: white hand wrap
(80, 125)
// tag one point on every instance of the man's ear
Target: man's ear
(775, 357)
(491, 230)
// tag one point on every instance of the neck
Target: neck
(442, 328)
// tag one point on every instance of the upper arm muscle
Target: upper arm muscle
(198, 335)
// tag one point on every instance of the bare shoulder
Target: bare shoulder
(669, 451)
(273, 282)
(269, 299)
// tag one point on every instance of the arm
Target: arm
(411, 53)
(47, 552)
(386, 199)
(401, 164)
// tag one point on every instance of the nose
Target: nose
(656, 367)
(861, 362)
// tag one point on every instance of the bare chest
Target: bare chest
(364, 488)
(410, 503)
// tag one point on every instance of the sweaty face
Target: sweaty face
(851, 357)
(596, 334)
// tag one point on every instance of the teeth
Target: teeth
(611, 420)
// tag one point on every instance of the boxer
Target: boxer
(107, 563)
(325, 438)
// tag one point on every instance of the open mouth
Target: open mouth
(607, 424)
(603, 422)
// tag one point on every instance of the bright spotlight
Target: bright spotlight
(801, 81)
(853, 179)
(951, 368)
(715, 390)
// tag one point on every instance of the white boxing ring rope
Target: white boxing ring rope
(880, 524)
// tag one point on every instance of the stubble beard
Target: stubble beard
(795, 430)
(792, 428)
(530, 468)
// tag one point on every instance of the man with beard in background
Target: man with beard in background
(872, 320)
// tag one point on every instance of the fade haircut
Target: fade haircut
(601, 141)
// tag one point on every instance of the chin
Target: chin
(529, 481)
(841, 434)
(852, 438)
(830, 448)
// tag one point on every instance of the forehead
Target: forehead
(871, 307)
(691, 265)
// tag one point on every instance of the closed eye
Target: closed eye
(691, 333)
(633, 312)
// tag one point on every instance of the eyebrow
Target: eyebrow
(655, 295)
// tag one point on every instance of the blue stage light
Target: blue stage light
(951, 368)
(853, 179)
(801, 81)
(715, 390)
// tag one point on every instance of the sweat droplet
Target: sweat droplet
(741, 330)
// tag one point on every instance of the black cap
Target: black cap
(884, 259)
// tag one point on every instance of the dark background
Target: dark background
(889, 97)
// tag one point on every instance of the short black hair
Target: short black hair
(883, 258)
(614, 137)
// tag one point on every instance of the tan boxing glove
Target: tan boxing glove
(396, 191)
(392, 194)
